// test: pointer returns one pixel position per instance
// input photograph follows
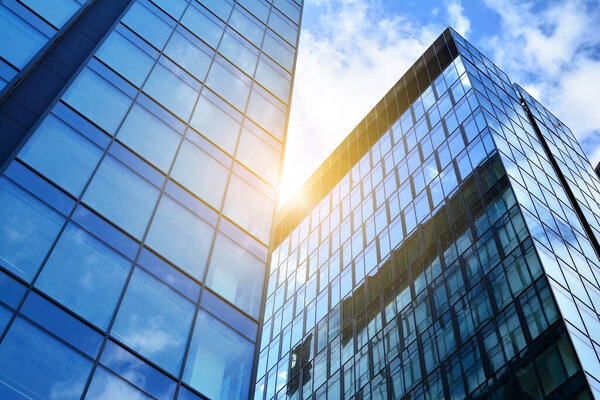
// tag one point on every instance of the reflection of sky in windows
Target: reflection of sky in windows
(128, 207)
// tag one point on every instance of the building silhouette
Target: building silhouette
(448, 248)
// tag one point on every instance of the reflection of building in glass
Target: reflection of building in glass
(448, 248)
(141, 145)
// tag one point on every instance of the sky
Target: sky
(351, 52)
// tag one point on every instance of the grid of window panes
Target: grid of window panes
(415, 275)
(572, 161)
(26, 26)
(135, 219)
(567, 255)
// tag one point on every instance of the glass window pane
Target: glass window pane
(122, 196)
(61, 154)
(272, 77)
(237, 50)
(106, 385)
(125, 58)
(14, 30)
(85, 275)
(181, 237)
(284, 28)
(154, 321)
(249, 208)
(57, 12)
(5, 316)
(245, 24)
(35, 365)
(236, 275)
(227, 84)
(289, 8)
(219, 362)
(27, 230)
(171, 92)
(279, 51)
(266, 114)
(256, 7)
(150, 137)
(200, 173)
(202, 26)
(216, 124)
(98, 100)
(147, 24)
(173, 7)
(259, 156)
(188, 55)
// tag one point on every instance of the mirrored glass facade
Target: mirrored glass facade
(446, 249)
(136, 212)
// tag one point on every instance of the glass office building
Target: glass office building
(448, 248)
(141, 146)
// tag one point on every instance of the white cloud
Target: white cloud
(458, 19)
(347, 61)
(548, 49)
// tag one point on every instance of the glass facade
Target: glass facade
(28, 26)
(447, 249)
(136, 214)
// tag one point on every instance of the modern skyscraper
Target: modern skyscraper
(448, 248)
(141, 143)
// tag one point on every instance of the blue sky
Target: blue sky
(352, 51)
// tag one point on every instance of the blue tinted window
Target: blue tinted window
(98, 100)
(57, 12)
(11, 290)
(170, 91)
(200, 173)
(221, 8)
(147, 24)
(249, 208)
(279, 51)
(35, 365)
(284, 28)
(262, 109)
(13, 31)
(188, 55)
(54, 319)
(219, 362)
(154, 321)
(61, 154)
(126, 58)
(227, 84)
(85, 275)
(150, 137)
(236, 275)
(256, 7)
(137, 371)
(216, 124)
(5, 316)
(172, 7)
(239, 51)
(122, 196)
(106, 385)
(202, 26)
(247, 26)
(180, 236)
(289, 8)
(27, 230)
(272, 77)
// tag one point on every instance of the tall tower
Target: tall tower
(448, 248)
(140, 147)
